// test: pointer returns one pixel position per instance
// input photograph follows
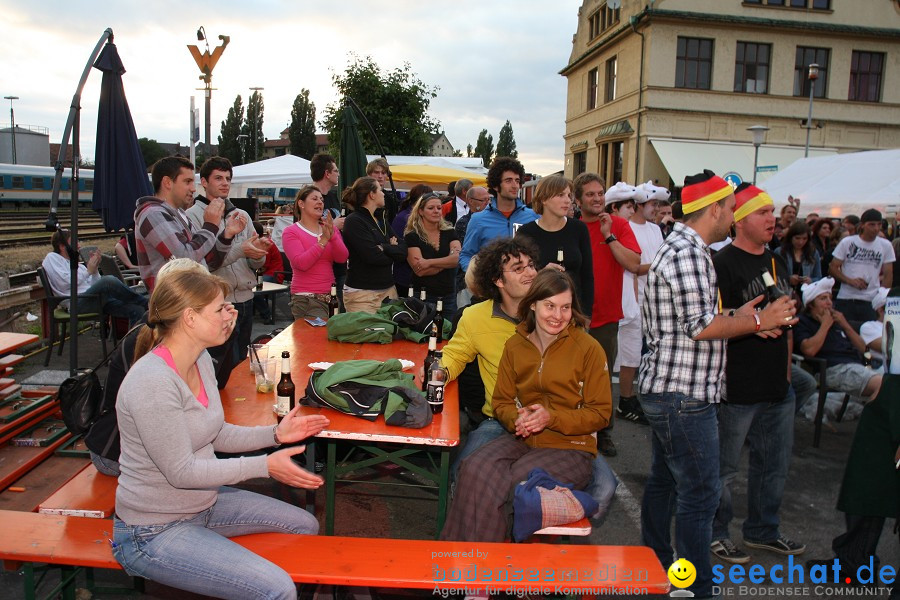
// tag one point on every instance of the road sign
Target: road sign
(733, 178)
(766, 168)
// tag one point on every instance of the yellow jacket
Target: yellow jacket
(570, 380)
(482, 332)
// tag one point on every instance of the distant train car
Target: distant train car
(28, 185)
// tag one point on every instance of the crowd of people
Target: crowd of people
(546, 306)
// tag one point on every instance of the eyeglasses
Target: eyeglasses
(519, 269)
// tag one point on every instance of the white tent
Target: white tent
(287, 170)
(841, 184)
(448, 162)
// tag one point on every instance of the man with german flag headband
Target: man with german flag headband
(758, 404)
(681, 376)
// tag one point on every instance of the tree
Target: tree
(152, 151)
(469, 151)
(395, 102)
(506, 143)
(253, 127)
(302, 131)
(229, 142)
(484, 147)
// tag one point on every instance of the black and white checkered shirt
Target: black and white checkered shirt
(680, 301)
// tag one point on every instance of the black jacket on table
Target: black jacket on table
(372, 256)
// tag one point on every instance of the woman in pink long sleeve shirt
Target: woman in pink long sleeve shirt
(312, 244)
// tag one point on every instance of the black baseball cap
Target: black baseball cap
(870, 215)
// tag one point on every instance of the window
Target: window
(89, 185)
(821, 4)
(693, 63)
(611, 162)
(580, 163)
(18, 182)
(805, 57)
(611, 79)
(602, 20)
(775, 2)
(751, 68)
(865, 76)
(37, 183)
(593, 77)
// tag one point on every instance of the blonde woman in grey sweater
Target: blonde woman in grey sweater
(174, 509)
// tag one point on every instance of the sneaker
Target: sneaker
(782, 545)
(606, 446)
(630, 409)
(727, 551)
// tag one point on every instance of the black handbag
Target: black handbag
(81, 396)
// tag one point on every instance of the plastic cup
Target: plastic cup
(265, 375)
(262, 353)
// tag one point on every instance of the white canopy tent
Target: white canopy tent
(841, 184)
(286, 171)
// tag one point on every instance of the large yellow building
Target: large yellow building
(661, 89)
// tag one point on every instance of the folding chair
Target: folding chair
(60, 316)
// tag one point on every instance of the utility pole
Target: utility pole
(12, 121)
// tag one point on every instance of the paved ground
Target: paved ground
(808, 513)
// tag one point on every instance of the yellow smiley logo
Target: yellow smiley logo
(682, 573)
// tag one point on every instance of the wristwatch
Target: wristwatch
(610, 239)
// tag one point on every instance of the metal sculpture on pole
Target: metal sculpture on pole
(206, 63)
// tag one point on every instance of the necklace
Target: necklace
(378, 225)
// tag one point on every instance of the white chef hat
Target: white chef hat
(811, 291)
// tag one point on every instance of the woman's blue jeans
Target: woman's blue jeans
(684, 480)
(196, 555)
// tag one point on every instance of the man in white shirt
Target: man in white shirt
(457, 207)
(650, 238)
(858, 262)
(118, 299)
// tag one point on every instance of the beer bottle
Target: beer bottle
(429, 359)
(259, 279)
(436, 376)
(773, 292)
(422, 294)
(439, 321)
(411, 293)
(285, 393)
(334, 306)
(559, 258)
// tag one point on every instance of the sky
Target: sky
(493, 60)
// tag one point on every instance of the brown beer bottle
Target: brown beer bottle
(285, 393)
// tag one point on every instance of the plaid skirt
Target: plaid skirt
(481, 509)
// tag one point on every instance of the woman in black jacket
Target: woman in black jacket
(373, 247)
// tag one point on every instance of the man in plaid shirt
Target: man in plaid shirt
(681, 376)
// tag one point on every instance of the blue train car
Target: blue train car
(29, 185)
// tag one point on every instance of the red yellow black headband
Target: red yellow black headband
(699, 195)
(748, 200)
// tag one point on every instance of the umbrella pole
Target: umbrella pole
(52, 224)
(52, 220)
(352, 102)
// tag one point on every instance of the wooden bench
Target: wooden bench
(76, 542)
(88, 494)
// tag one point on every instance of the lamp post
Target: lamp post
(12, 122)
(812, 76)
(759, 136)
(255, 123)
(242, 140)
(206, 63)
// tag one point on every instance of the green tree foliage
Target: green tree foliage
(253, 127)
(484, 147)
(469, 151)
(302, 131)
(396, 103)
(229, 143)
(152, 151)
(506, 143)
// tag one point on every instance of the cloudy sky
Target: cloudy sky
(493, 61)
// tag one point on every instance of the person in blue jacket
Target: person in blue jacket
(503, 215)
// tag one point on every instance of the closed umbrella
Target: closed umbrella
(352, 161)
(120, 175)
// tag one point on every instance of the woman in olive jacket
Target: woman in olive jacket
(552, 394)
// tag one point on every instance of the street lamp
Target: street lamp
(255, 123)
(12, 120)
(759, 136)
(812, 76)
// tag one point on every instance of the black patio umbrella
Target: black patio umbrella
(352, 159)
(120, 176)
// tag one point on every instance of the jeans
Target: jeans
(602, 487)
(684, 480)
(196, 555)
(107, 466)
(769, 428)
(804, 385)
(119, 300)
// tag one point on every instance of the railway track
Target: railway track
(18, 228)
(44, 239)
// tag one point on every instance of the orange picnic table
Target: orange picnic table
(381, 442)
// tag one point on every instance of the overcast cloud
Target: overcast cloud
(493, 61)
